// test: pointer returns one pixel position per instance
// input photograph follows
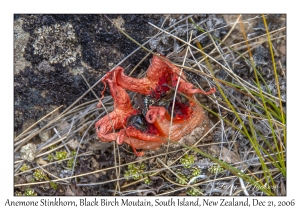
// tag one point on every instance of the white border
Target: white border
(154, 6)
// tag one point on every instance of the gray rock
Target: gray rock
(28, 152)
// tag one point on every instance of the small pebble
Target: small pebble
(28, 152)
(282, 50)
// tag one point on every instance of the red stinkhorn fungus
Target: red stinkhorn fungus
(151, 130)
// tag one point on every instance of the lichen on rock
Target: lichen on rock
(20, 41)
(28, 152)
(56, 43)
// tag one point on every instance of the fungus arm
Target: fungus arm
(188, 89)
(143, 85)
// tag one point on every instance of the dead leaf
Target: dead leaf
(69, 192)
(41, 161)
(226, 155)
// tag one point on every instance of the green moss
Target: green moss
(53, 185)
(181, 178)
(24, 168)
(147, 181)
(187, 172)
(214, 169)
(187, 160)
(52, 147)
(71, 162)
(134, 171)
(194, 191)
(29, 192)
(142, 166)
(61, 155)
(195, 171)
(73, 153)
(39, 175)
(50, 157)
(18, 193)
